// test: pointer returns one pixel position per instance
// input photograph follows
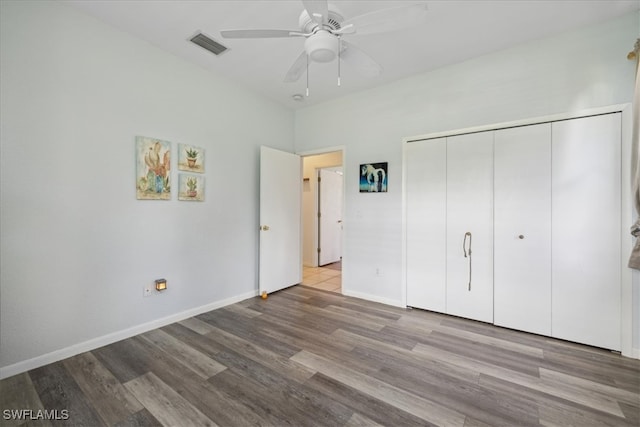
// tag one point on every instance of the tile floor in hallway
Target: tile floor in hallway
(327, 278)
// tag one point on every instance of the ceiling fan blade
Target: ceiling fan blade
(363, 63)
(387, 20)
(346, 29)
(318, 10)
(297, 69)
(258, 34)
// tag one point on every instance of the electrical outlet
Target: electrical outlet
(379, 272)
(147, 290)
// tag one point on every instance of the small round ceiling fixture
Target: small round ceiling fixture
(297, 97)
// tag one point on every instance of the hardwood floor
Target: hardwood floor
(306, 357)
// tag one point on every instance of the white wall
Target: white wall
(574, 71)
(310, 165)
(77, 247)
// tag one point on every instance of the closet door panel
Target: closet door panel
(426, 224)
(522, 228)
(470, 210)
(586, 230)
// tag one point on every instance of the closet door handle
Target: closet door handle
(521, 236)
(464, 244)
(467, 254)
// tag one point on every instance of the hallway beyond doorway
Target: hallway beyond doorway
(328, 277)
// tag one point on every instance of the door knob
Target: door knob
(264, 227)
(521, 236)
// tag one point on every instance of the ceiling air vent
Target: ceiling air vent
(208, 43)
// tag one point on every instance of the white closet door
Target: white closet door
(586, 230)
(522, 228)
(426, 163)
(470, 210)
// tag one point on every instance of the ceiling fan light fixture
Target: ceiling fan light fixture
(322, 46)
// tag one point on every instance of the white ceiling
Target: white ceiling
(453, 31)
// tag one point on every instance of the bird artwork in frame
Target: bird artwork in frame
(373, 177)
(153, 169)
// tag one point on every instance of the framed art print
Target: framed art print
(373, 177)
(190, 158)
(191, 187)
(153, 169)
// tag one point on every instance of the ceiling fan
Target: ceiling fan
(323, 26)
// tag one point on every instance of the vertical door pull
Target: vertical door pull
(467, 253)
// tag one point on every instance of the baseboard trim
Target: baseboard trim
(374, 298)
(92, 344)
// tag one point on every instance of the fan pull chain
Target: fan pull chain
(339, 46)
(307, 75)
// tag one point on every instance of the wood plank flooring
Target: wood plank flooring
(307, 357)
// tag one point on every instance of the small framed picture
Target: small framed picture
(374, 177)
(190, 158)
(191, 187)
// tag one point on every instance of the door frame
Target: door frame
(320, 151)
(318, 206)
(629, 278)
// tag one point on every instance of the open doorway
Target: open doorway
(322, 237)
(330, 184)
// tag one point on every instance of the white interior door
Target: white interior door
(470, 210)
(586, 230)
(330, 216)
(280, 220)
(426, 168)
(522, 228)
